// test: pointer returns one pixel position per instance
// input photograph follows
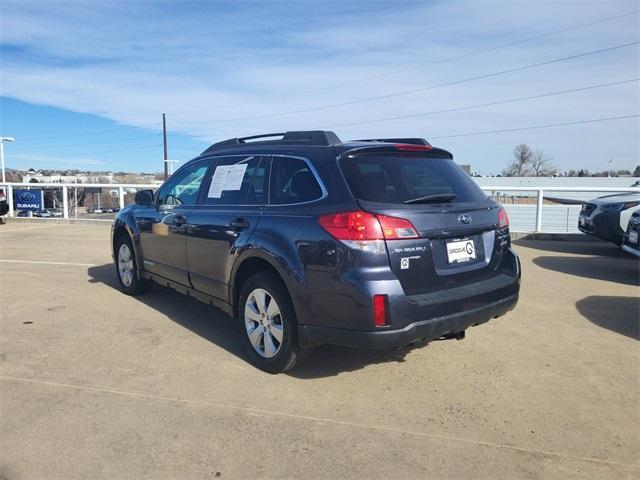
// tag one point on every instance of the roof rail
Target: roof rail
(410, 141)
(311, 137)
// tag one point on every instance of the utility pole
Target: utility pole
(610, 162)
(164, 141)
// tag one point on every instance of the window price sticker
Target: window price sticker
(226, 177)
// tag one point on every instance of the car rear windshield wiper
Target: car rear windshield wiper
(437, 198)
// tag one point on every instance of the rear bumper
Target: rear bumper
(424, 330)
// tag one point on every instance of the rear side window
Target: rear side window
(396, 179)
(237, 181)
(292, 181)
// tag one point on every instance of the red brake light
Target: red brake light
(366, 226)
(503, 219)
(409, 147)
(352, 226)
(396, 228)
(380, 310)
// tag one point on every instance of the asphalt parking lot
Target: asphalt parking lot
(96, 384)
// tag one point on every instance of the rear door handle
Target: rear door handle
(239, 223)
(179, 220)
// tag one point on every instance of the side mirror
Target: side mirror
(144, 197)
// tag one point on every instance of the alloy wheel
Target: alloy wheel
(125, 265)
(263, 322)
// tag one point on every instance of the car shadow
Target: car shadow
(217, 327)
(618, 314)
(205, 320)
(624, 271)
(584, 247)
(332, 360)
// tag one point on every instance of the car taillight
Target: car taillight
(380, 316)
(503, 219)
(397, 228)
(366, 231)
(352, 226)
(358, 230)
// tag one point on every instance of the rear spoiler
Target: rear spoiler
(399, 147)
(410, 141)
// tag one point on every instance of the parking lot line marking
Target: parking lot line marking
(27, 228)
(36, 262)
(258, 411)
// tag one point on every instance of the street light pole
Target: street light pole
(2, 140)
(164, 144)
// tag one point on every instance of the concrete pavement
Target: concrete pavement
(96, 384)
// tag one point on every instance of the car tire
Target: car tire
(266, 325)
(127, 268)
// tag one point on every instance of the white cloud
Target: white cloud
(200, 62)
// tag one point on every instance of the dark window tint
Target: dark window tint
(292, 181)
(237, 181)
(183, 186)
(396, 179)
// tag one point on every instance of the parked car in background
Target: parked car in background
(308, 240)
(607, 217)
(4, 205)
(631, 240)
(55, 212)
(42, 214)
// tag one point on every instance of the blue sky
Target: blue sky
(84, 84)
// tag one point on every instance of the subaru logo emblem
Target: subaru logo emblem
(28, 197)
(465, 218)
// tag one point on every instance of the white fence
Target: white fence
(524, 218)
(566, 188)
(68, 188)
(547, 218)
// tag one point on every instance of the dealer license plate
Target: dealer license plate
(461, 251)
(633, 236)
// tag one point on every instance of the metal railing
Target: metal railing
(66, 187)
(495, 191)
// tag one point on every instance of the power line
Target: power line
(444, 60)
(140, 147)
(86, 132)
(479, 105)
(115, 140)
(534, 127)
(83, 134)
(431, 87)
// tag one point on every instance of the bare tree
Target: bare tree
(540, 164)
(522, 157)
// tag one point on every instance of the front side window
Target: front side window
(292, 181)
(237, 181)
(183, 187)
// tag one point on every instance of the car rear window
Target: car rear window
(396, 179)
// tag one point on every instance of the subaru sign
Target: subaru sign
(29, 199)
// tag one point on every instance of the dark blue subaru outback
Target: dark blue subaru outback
(308, 240)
